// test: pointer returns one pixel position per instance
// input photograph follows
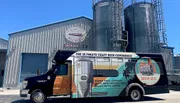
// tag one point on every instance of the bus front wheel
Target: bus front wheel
(37, 96)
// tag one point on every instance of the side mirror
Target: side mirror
(55, 71)
(53, 61)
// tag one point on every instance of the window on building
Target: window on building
(2, 72)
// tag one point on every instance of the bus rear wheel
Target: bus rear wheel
(135, 94)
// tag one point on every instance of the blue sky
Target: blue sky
(17, 15)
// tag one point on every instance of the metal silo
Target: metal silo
(108, 24)
(142, 28)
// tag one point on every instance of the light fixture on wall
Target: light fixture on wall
(55, 49)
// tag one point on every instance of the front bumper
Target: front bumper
(24, 93)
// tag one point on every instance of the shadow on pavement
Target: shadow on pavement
(92, 100)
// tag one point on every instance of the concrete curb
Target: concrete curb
(9, 92)
(1, 90)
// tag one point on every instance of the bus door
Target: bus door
(62, 83)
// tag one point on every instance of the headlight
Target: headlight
(24, 84)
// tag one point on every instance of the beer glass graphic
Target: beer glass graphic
(83, 78)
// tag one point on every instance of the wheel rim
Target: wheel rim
(135, 95)
(38, 97)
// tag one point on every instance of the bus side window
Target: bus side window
(93, 61)
(103, 63)
(116, 62)
(106, 73)
(62, 69)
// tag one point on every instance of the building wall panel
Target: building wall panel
(3, 44)
(2, 66)
(177, 62)
(47, 39)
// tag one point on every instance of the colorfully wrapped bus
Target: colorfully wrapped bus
(93, 74)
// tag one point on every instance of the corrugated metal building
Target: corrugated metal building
(32, 50)
(3, 44)
(3, 51)
(177, 62)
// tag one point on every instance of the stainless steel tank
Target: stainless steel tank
(83, 78)
(107, 23)
(142, 28)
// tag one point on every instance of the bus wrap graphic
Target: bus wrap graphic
(147, 71)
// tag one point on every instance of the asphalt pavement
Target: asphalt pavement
(172, 97)
(17, 99)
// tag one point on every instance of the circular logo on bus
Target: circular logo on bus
(147, 71)
(75, 34)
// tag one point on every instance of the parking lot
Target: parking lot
(173, 96)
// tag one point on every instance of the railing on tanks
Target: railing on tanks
(127, 3)
(160, 21)
(96, 1)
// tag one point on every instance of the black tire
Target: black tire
(135, 94)
(37, 96)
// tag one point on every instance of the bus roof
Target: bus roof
(63, 55)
